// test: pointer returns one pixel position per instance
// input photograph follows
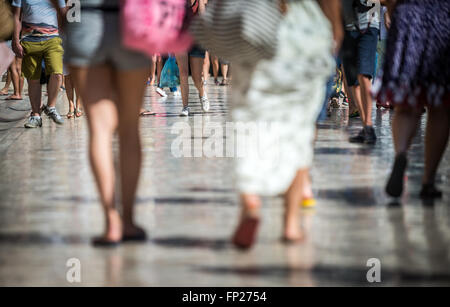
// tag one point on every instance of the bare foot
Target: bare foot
(14, 97)
(292, 232)
(113, 231)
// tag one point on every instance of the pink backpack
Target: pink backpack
(155, 26)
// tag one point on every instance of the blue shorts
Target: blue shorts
(359, 54)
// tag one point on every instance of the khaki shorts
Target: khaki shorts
(51, 51)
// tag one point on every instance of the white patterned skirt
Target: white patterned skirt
(276, 104)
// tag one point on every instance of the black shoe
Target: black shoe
(359, 138)
(394, 186)
(429, 191)
(370, 137)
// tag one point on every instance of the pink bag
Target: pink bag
(155, 26)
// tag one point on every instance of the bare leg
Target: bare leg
(53, 88)
(17, 79)
(357, 100)
(97, 89)
(404, 127)
(159, 68)
(292, 199)
(436, 140)
(35, 93)
(131, 93)
(19, 74)
(183, 62)
(70, 96)
(206, 66)
(5, 89)
(224, 68)
(151, 78)
(196, 70)
(366, 99)
(215, 65)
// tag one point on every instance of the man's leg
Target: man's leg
(357, 100)
(53, 89)
(35, 94)
(53, 54)
(366, 99)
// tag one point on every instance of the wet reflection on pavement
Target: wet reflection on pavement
(49, 210)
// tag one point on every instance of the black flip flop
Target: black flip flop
(102, 242)
(139, 237)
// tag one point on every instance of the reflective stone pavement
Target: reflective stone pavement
(49, 211)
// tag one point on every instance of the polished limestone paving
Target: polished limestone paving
(49, 210)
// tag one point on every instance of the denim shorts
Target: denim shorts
(359, 54)
(97, 40)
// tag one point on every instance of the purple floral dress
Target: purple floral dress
(417, 64)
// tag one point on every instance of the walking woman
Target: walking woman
(286, 92)
(111, 80)
(195, 60)
(417, 75)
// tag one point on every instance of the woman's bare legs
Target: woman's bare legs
(206, 66)
(14, 76)
(292, 199)
(131, 88)
(196, 71)
(183, 62)
(404, 127)
(151, 77)
(100, 106)
(245, 233)
(159, 68)
(224, 68)
(215, 65)
(70, 96)
(436, 140)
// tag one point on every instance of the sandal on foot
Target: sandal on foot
(70, 115)
(429, 191)
(13, 98)
(224, 82)
(79, 113)
(394, 186)
(147, 113)
(102, 242)
(245, 234)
